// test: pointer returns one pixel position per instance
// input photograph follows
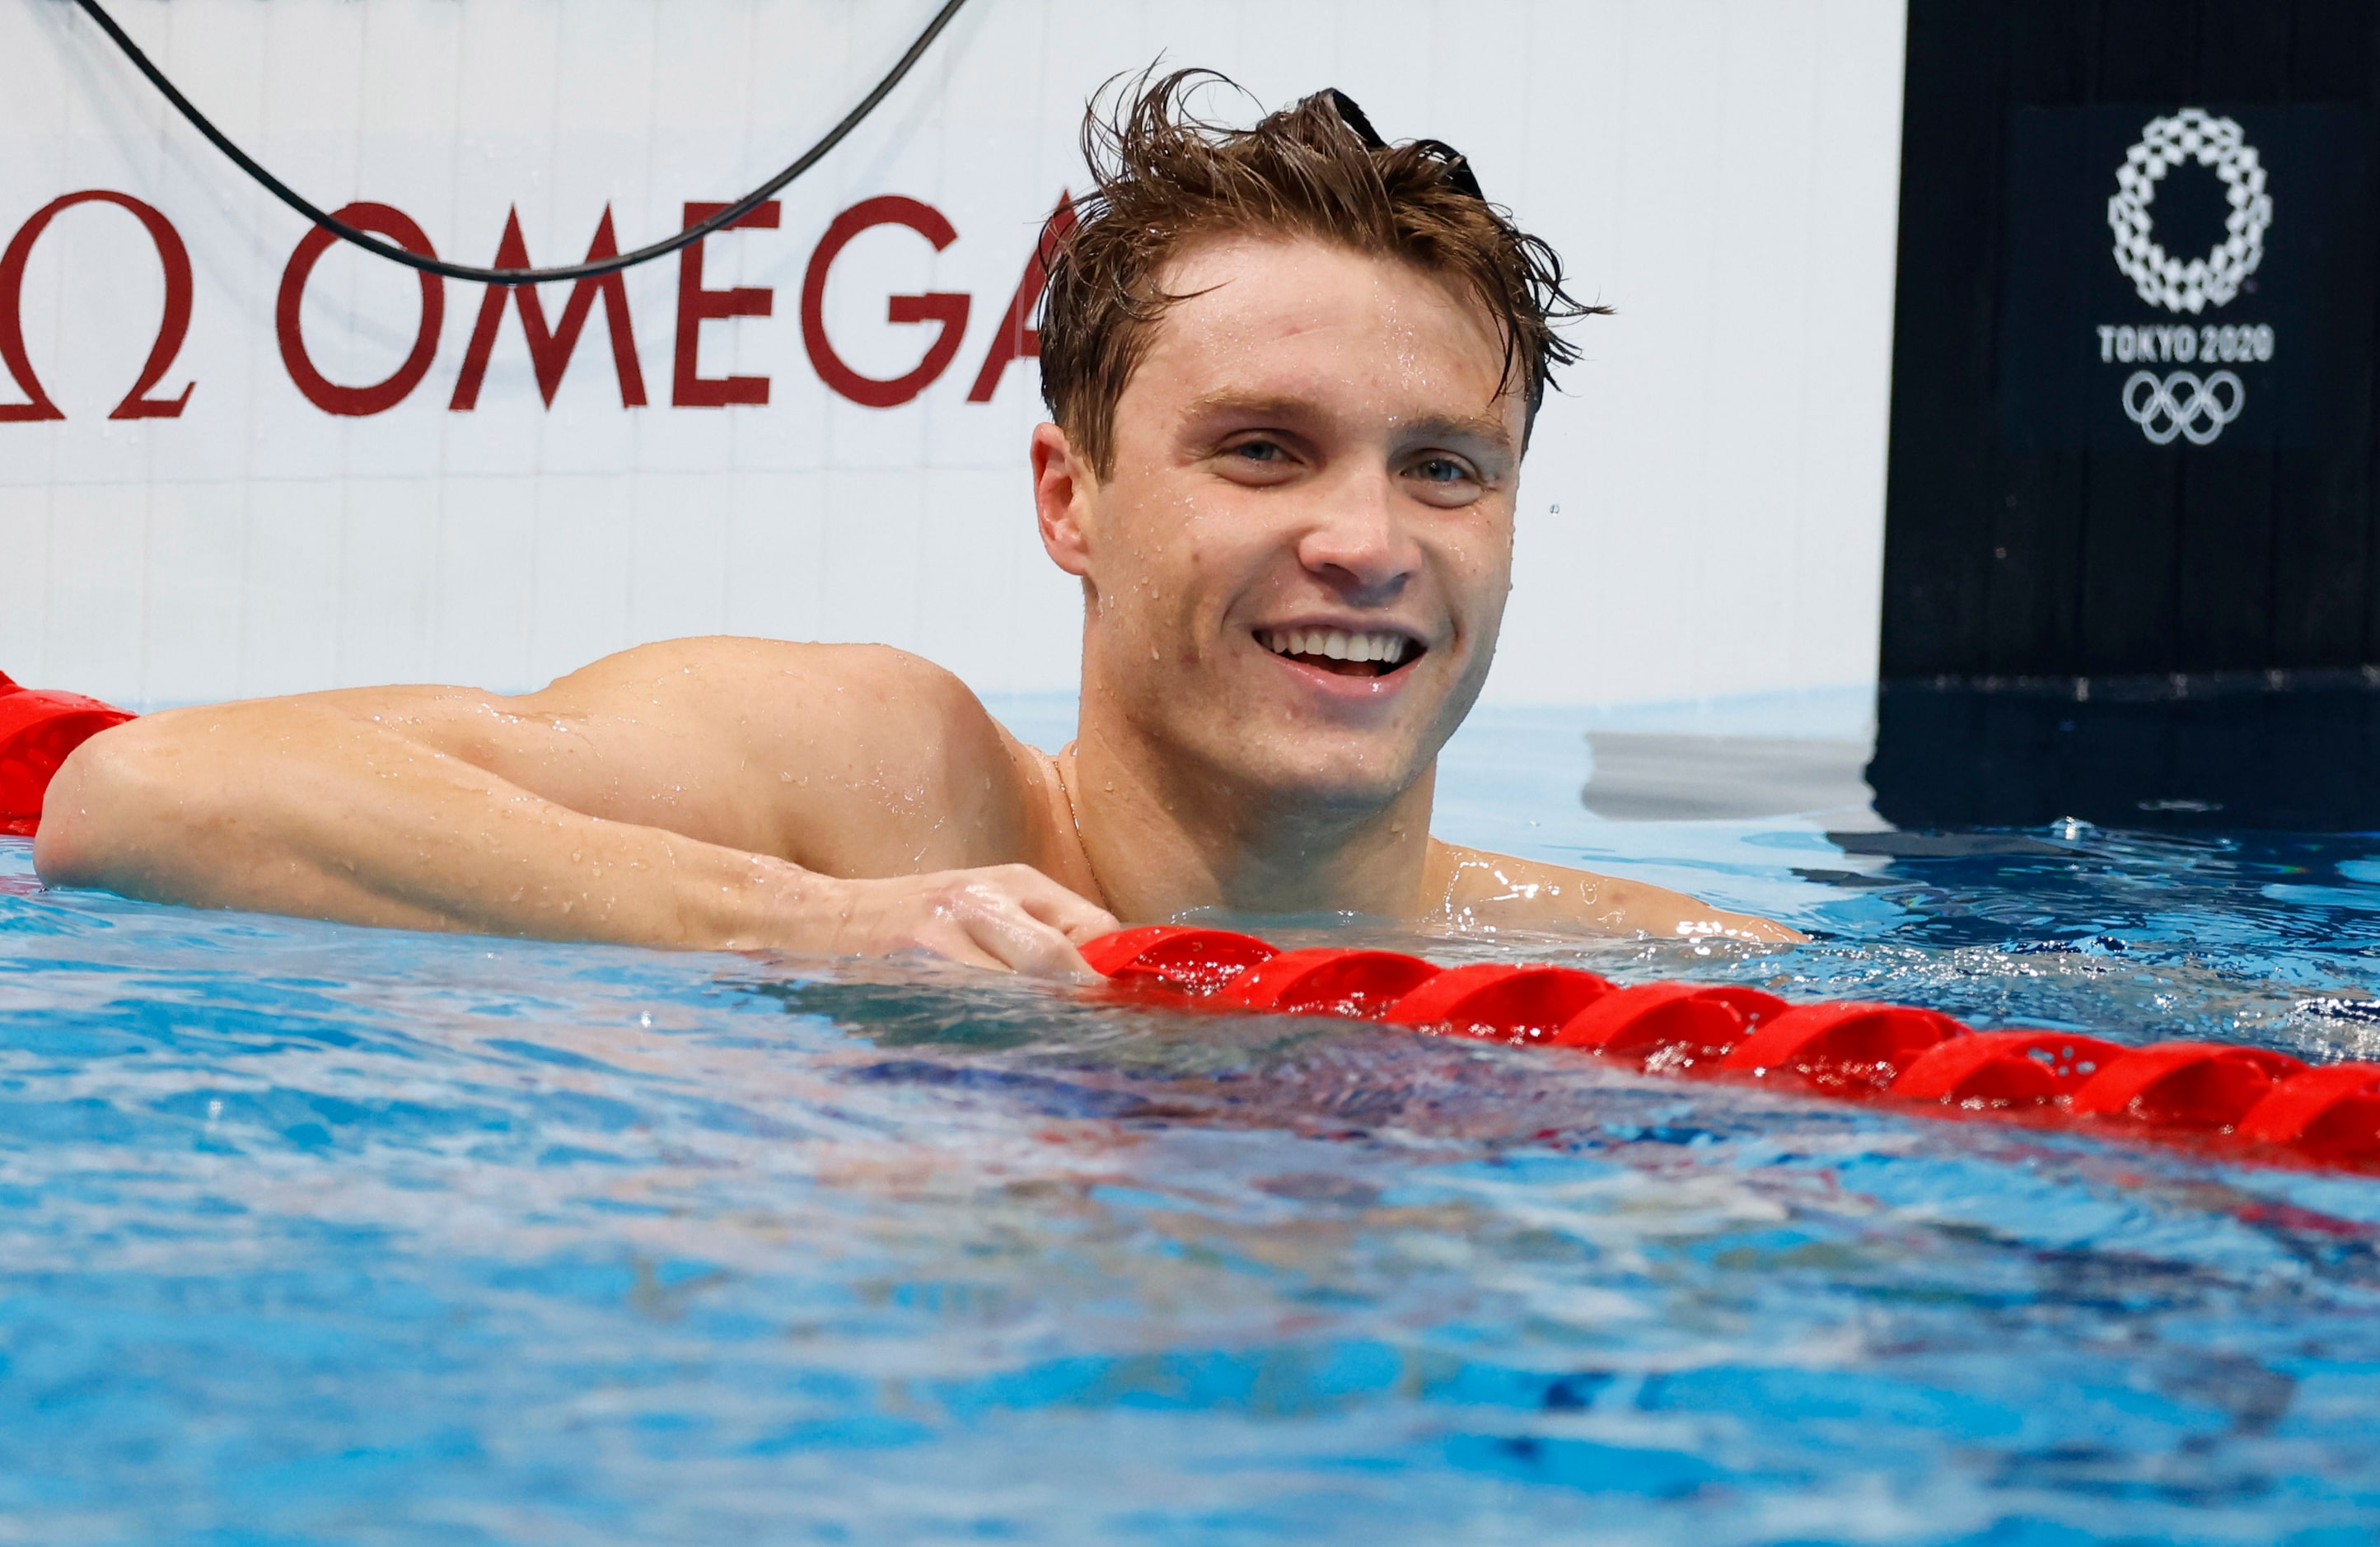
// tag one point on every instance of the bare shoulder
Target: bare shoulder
(857, 759)
(1473, 886)
(770, 688)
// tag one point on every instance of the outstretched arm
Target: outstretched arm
(1472, 885)
(705, 793)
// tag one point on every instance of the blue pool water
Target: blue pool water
(311, 1234)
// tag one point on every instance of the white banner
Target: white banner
(236, 458)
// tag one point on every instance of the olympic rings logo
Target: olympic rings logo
(2161, 278)
(2162, 411)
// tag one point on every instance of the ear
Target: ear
(1063, 486)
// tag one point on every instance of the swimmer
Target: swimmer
(1292, 372)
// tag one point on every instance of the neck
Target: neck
(1163, 838)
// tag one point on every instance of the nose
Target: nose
(1360, 547)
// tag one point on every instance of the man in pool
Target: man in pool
(1292, 370)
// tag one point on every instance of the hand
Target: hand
(1007, 917)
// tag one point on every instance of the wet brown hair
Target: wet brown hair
(1166, 177)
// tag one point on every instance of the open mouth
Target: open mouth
(1344, 653)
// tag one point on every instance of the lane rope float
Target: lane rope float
(2259, 1104)
(2262, 1104)
(37, 731)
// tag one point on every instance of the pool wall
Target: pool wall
(1704, 510)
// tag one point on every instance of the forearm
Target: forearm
(1468, 885)
(317, 815)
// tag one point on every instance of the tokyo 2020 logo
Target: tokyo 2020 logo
(2179, 405)
(2161, 278)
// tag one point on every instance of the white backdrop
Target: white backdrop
(1702, 513)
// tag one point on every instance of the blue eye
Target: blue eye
(1440, 469)
(1257, 450)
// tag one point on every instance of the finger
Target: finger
(957, 946)
(1075, 919)
(1023, 943)
(1067, 912)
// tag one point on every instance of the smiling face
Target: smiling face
(1297, 564)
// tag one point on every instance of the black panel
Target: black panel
(2035, 527)
(2032, 571)
(1941, 473)
(2220, 753)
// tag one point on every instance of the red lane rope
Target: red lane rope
(2264, 1105)
(37, 731)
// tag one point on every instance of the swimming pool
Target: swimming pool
(318, 1234)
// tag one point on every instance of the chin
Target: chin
(1336, 775)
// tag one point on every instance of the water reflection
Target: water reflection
(310, 1233)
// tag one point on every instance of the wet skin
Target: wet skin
(1293, 571)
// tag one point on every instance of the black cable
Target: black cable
(371, 244)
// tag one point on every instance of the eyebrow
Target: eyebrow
(1485, 427)
(1480, 426)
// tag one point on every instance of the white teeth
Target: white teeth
(1336, 643)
